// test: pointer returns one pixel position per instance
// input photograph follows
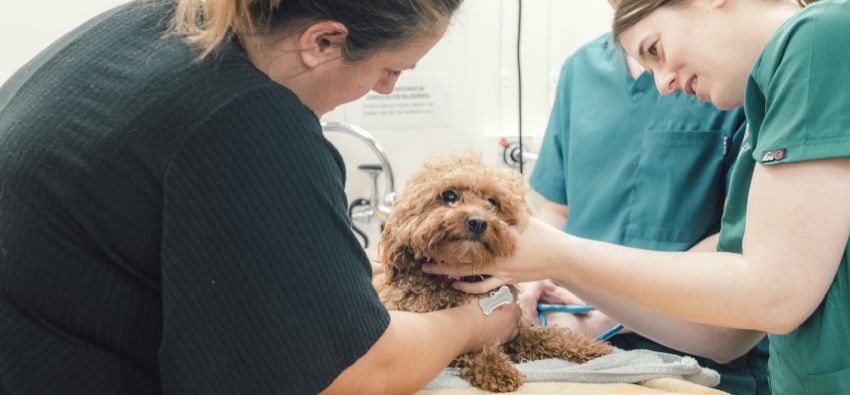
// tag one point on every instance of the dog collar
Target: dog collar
(469, 279)
(450, 279)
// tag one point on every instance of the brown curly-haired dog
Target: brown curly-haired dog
(458, 211)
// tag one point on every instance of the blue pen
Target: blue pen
(610, 332)
(542, 317)
(565, 308)
(542, 308)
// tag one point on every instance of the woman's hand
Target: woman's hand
(591, 324)
(499, 327)
(544, 291)
(528, 263)
(374, 254)
(529, 296)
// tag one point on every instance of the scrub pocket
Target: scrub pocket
(678, 191)
(832, 383)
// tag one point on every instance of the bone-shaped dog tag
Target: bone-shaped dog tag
(497, 298)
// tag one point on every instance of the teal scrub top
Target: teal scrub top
(642, 170)
(636, 168)
(798, 106)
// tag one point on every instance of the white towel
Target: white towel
(631, 366)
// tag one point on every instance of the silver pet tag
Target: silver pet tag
(497, 298)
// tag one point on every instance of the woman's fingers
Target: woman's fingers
(529, 296)
(377, 268)
(560, 295)
(479, 287)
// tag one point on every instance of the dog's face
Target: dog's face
(454, 211)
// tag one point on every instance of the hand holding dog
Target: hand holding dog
(499, 327)
(525, 265)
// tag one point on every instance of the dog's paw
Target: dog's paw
(500, 381)
(491, 370)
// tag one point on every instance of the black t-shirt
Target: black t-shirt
(170, 226)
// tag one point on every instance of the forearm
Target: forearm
(719, 289)
(717, 343)
(411, 352)
(792, 250)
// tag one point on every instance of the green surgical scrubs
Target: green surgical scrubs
(798, 106)
(641, 170)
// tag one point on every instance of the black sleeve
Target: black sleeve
(265, 289)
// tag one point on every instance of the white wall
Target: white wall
(478, 53)
(27, 27)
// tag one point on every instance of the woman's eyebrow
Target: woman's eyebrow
(640, 49)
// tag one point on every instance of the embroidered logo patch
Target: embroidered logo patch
(773, 155)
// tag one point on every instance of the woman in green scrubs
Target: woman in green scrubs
(782, 263)
(623, 164)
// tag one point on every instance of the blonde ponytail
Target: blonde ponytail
(207, 23)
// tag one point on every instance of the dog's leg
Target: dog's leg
(534, 343)
(491, 370)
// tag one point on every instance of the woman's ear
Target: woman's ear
(322, 42)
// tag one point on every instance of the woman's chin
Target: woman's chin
(724, 104)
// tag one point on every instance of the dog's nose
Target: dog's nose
(477, 225)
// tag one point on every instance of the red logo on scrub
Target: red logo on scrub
(773, 155)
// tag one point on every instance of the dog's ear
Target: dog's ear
(393, 251)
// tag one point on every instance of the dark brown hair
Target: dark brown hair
(627, 13)
(372, 25)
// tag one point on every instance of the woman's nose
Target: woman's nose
(386, 85)
(667, 82)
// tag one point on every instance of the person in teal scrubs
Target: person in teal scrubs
(623, 164)
(782, 260)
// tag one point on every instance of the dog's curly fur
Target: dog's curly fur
(458, 211)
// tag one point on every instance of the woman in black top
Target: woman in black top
(172, 219)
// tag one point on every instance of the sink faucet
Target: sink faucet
(379, 207)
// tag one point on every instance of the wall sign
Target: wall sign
(419, 100)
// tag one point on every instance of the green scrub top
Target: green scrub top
(642, 170)
(798, 106)
(636, 168)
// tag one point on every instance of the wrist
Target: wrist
(472, 320)
(557, 261)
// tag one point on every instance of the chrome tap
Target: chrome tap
(511, 153)
(379, 206)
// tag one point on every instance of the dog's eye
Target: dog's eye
(494, 203)
(450, 196)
